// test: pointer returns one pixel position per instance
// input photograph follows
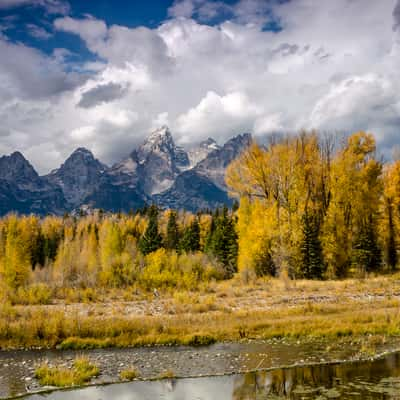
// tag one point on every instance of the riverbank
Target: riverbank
(262, 324)
(17, 368)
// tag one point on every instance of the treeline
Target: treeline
(310, 207)
(151, 250)
(313, 207)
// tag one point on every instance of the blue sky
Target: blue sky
(22, 20)
(103, 73)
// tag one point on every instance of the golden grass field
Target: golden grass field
(222, 311)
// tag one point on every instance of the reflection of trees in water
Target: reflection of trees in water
(169, 384)
(282, 382)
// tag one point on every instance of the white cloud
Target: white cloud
(38, 32)
(368, 102)
(26, 72)
(183, 8)
(333, 65)
(268, 124)
(83, 133)
(160, 120)
(51, 6)
(89, 29)
(220, 116)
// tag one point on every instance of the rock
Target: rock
(22, 190)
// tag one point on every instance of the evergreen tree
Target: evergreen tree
(172, 239)
(312, 262)
(210, 234)
(366, 253)
(190, 241)
(391, 250)
(223, 243)
(151, 239)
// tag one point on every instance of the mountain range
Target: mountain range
(158, 172)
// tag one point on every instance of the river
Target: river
(285, 369)
(378, 379)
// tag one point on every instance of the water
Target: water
(379, 379)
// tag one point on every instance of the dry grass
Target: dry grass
(81, 372)
(168, 374)
(225, 311)
(129, 374)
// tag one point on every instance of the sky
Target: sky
(102, 74)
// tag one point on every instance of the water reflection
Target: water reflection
(362, 380)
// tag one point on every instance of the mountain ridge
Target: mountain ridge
(158, 171)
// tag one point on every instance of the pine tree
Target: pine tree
(223, 243)
(312, 263)
(366, 254)
(151, 239)
(190, 240)
(391, 242)
(209, 237)
(172, 239)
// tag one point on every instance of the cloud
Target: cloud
(38, 32)
(205, 11)
(369, 102)
(101, 94)
(210, 69)
(50, 6)
(120, 45)
(220, 116)
(268, 124)
(89, 29)
(396, 16)
(183, 8)
(28, 73)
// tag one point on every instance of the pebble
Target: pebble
(150, 362)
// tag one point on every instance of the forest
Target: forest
(151, 250)
(311, 207)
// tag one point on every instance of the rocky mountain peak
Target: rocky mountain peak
(82, 153)
(17, 168)
(240, 141)
(159, 141)
(216, 162)
(160, 161)
(78, 175)
(210, 143)
(157, 171)
(200, 152)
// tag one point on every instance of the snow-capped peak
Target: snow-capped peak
(200, 152)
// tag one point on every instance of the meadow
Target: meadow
(223, 311)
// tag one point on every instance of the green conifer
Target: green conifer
(172, 239)
(312, 262)
(151, 239)
(190, 241)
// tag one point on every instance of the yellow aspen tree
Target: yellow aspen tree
(15, 267)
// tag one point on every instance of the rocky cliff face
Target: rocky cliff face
(204, 185)
(24, 191)
(161, 161)
(157, 171)
(200, 152)
(192, 191)
(78, 177)
(214, 165)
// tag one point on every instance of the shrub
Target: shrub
(81, 372)
(38, 293)
(129, 374)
